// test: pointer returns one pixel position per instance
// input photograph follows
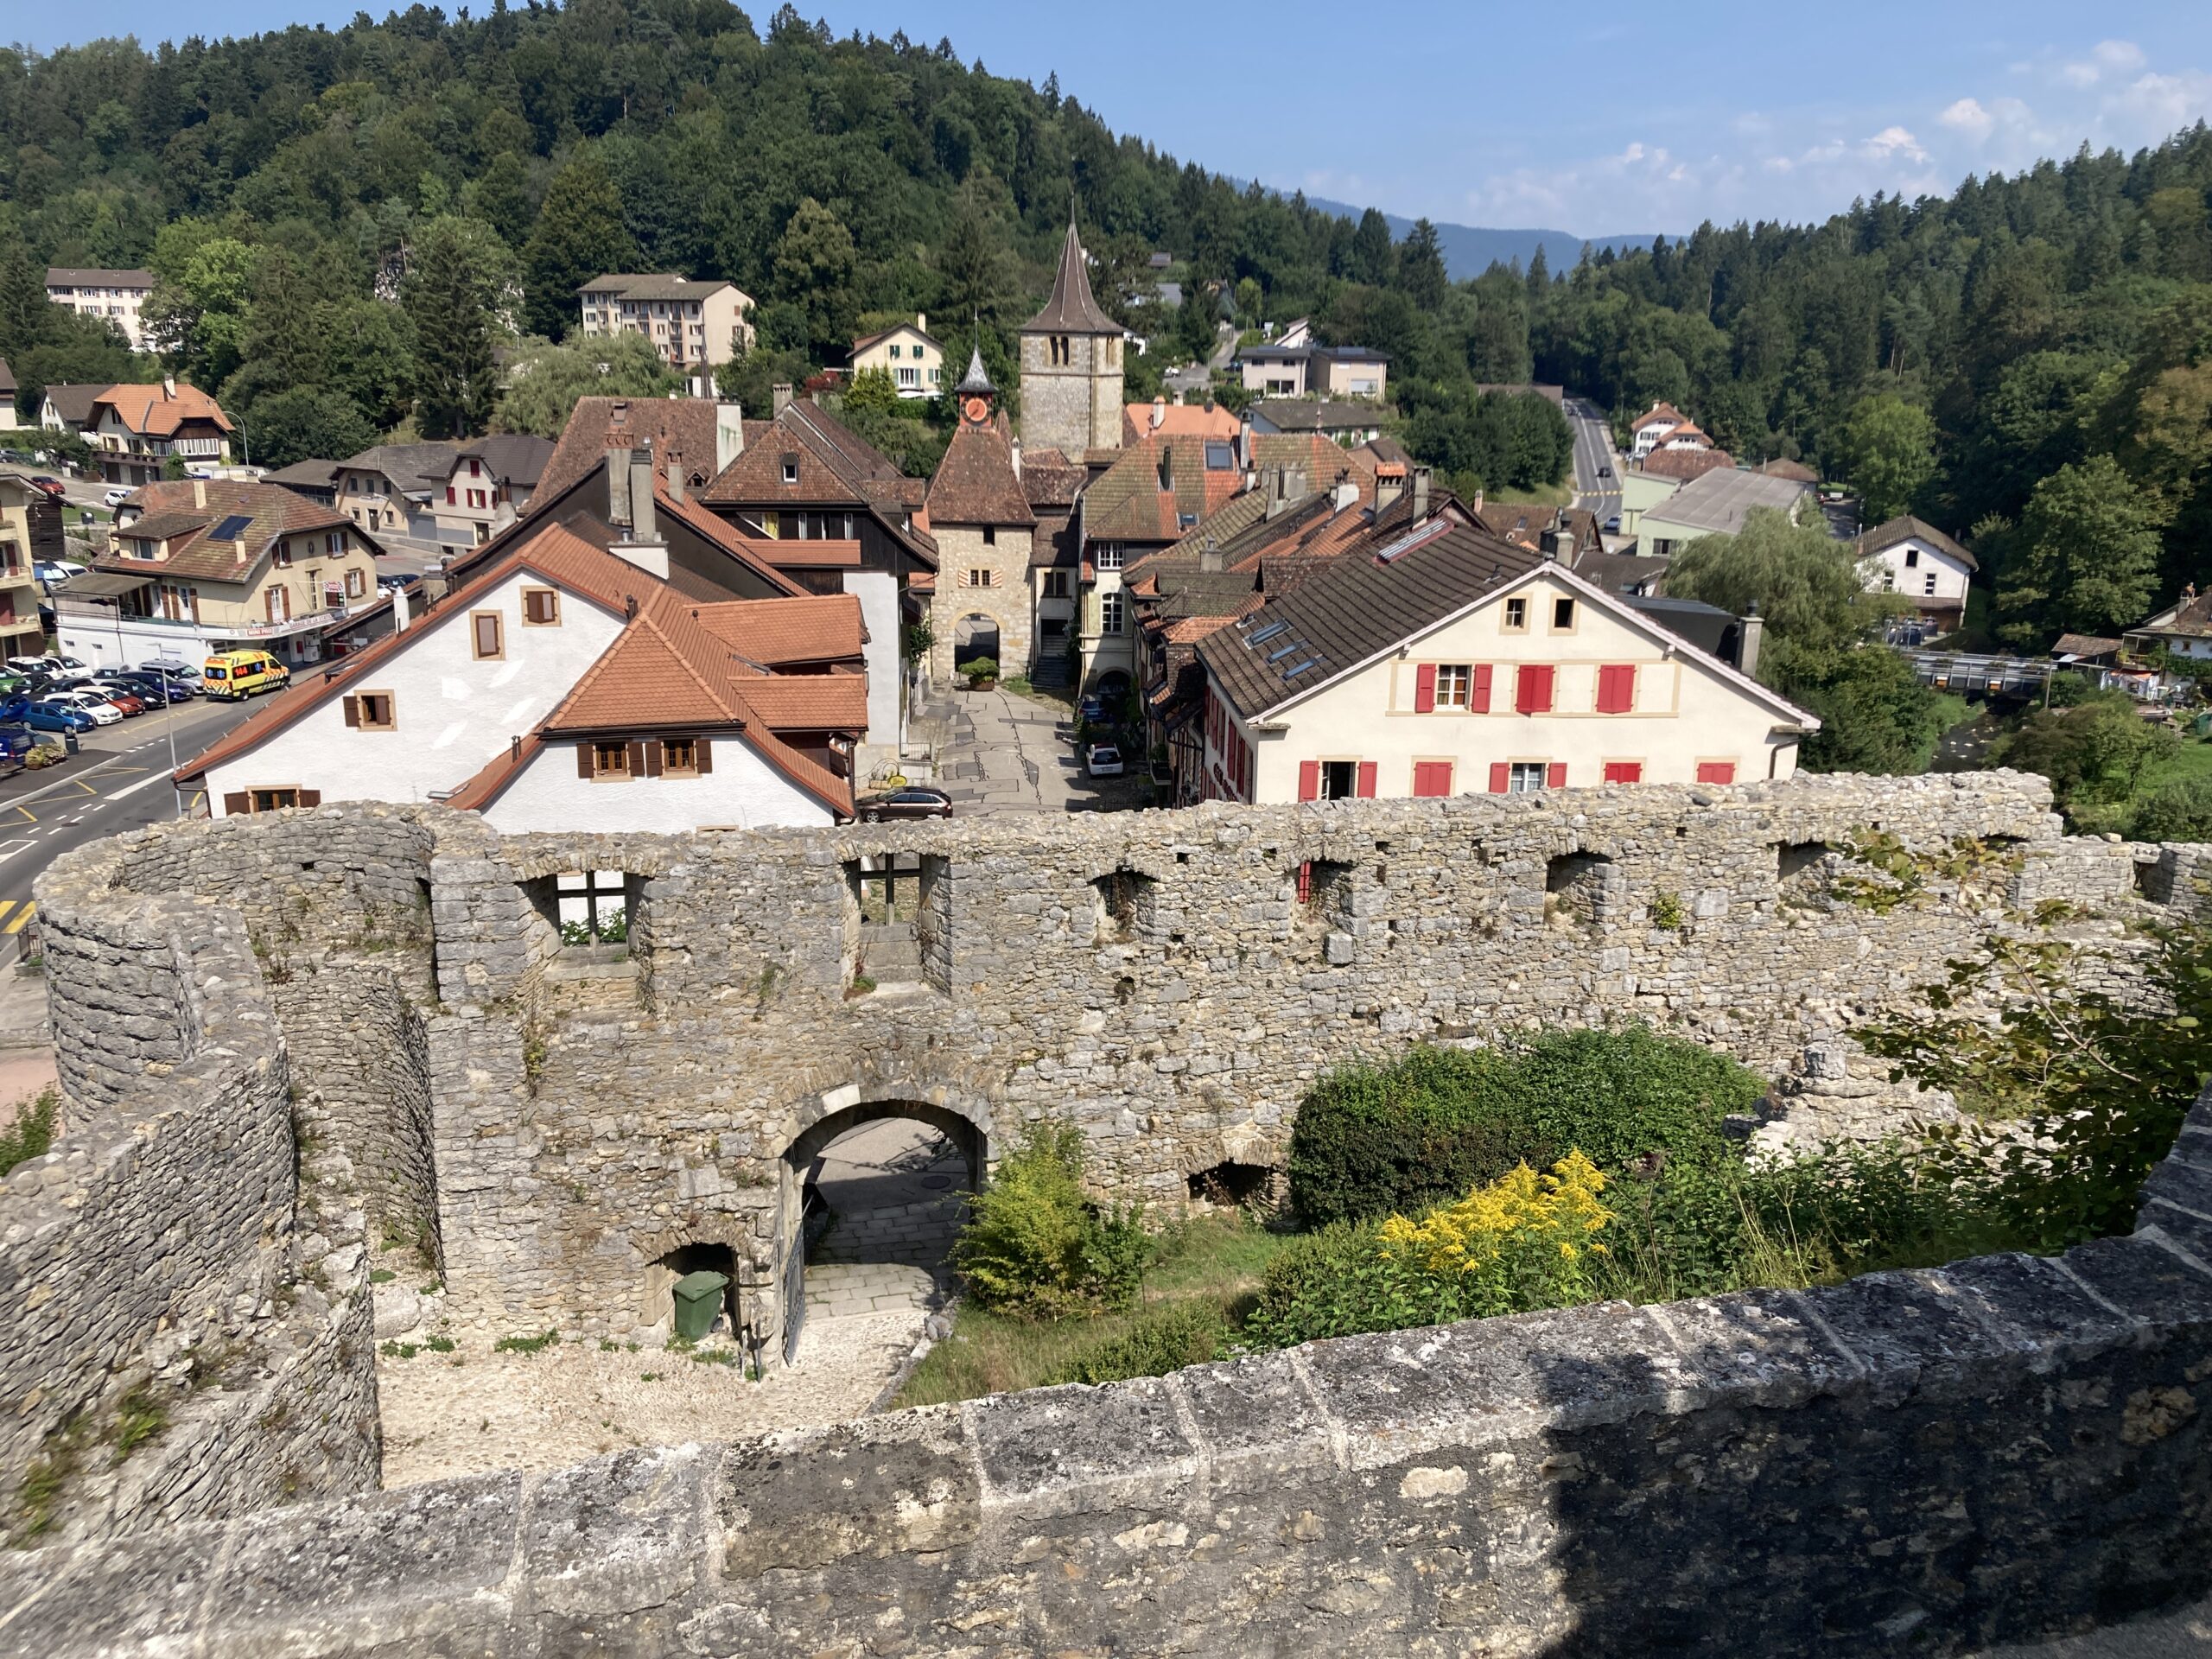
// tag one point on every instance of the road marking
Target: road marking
(6, 905)
(9, 849)
(29, 817)
(157, 778)
(30, 910)
(86, 787)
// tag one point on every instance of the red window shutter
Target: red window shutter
(1309, 780)
(1478, 694)
(236, 802)
(1532, 692)
(1431, 778)
(1623, 772)
(1716, 771)
(1367, 780)
(310, 798)
(583, 761)
(1425, 689)
(1500, 778)
(703, 756)
(1616, 687)
(451, 500)
(1555, 775)
(353, 711)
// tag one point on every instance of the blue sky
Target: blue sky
(1596, 120)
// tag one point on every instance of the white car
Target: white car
(1105, 760)
(119, 494)
(103, 712)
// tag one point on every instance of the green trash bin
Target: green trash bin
(698, 1298)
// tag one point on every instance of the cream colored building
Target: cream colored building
(695, 325)
(113, 296)
(1416, 671)
(21, 502)
(908, 352)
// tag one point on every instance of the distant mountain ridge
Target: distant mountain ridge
(1469, 250)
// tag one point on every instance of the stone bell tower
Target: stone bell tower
(1071, 365)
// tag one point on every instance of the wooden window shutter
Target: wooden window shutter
(1623, 772)
(637, 759)
(703, 755)
(583, 761)
(1716, 771)
(1367, 780)
(653, 757)
(353, 711)
(1431, 778)
(1425, 689)
(1533, 690)
(1555, 775)
(310, 798)
(1478, 693)
(1500, 777)
(1616, 687)
(1309, 780)
(235, 803)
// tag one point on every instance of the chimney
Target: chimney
(1346, 494)
(169, 385)
(729, 434)
(782, 394)
(1159, 413)
(199, 491)
(1420, 495)
(1747, 644)
(617, 488)
(399, 617)
(1244, 440)
(675, 476)
(922, 321)
(1209, 556)
(1014, 448)
(641, 497)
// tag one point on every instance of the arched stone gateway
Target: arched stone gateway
(976, 634)
(854, 1190)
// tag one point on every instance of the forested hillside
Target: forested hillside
(345, 222)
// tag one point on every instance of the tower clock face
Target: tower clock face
(978, 411)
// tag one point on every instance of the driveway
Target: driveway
(1000, 753)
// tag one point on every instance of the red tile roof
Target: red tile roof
(151, 412)
(182, 512)
(1184, 420)
(819, 628)
(1687, 464)
(976, 483)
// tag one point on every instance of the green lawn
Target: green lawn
(1549, 495)
(1220, 1259)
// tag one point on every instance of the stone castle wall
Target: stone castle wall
(171, 1346)
(961, 548)
(1910, 1462)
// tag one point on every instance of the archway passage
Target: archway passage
(974, 635)
(882, 1191)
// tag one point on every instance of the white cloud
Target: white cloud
(1895, 141)
(1633, 153)
(1969, 117)
(2107, 59)
(2154, 105)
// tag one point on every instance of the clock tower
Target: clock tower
(979, 518)
(1071, 365)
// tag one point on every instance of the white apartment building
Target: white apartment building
(695, 325)
(116, 296)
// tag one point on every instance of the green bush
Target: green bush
(979, 667)
(1374, 1141)
(1034, 1246)
(1176, 1335)
(2182, 811)
(31, 1136)
(1338, 1282)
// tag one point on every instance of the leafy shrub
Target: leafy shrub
(2182, 811)
(1374, 1140)
(31, 1136)
(979, 667)
(1522, 1242)
(1034, 1245)
(536, 1344)
(1176, 1335)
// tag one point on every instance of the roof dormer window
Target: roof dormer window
(790, 469)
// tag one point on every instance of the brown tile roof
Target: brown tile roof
(818, 628)
(1906, 527)
(1072, 310)
(2083, 644)
(510, 457)
(658, 285)
(1666, 412)
(1526, 524)
(1145, 495)
(183, 512)
(681, 426)
(1320, 457)
(801, 702)
(96, 277)
(976, 483)
(151, 412)
(1687, 464)
(73, 403)
(1195, 420)
(2192, 617)
(835, 467)
(1049, 478)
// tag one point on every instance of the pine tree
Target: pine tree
(579, 235)
(1420, 267)
(450, 297)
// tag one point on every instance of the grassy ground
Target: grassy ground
(1548, 495)
(1220, 1259)
(2193, 760)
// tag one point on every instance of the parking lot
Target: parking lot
(1001, 751)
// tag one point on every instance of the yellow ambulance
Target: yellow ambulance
(238, 674)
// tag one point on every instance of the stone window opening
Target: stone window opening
(661, 1277)
(1324, 886)
(1127, 907)
(1230, 1185)
(593, 911)
(1582, 889)
(1801, 864)
(900, 914)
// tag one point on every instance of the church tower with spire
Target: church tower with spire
(1071, 365)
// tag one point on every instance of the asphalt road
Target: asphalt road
(119, 781)
(1594, 448)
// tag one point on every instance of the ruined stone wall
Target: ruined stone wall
(1910, 1462)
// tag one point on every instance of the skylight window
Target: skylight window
(1292, 673)
(231, 528)
(1220, 457)
(1268, 634)
(1282, 651)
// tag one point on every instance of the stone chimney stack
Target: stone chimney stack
(1159, 413)
(641, 543)
(1014, 448)
(1244, 440)
(169, 385)
(199, 491)
(1347, 493)
(617, 488)
(1747, 644)
(729, 434)
(1419, 487)
(782, 394)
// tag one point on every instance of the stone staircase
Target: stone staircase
(890, 953)
(1051, 673)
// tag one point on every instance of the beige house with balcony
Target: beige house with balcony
(29, 522)
(209, 565)
(908, 352)
(134, 431)
(695, 325)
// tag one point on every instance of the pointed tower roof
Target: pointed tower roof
(1072, 310)
(977, 380)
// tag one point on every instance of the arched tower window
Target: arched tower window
(1061, 355)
